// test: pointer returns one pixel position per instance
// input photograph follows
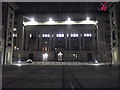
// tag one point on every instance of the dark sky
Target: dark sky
(56, 7)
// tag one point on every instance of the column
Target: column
(40, 42)
(79, 38)
(65, 34)
(54, 36)
(83, 40)
(69, 42)
(37, 36)
(27, 36)
(50, 41)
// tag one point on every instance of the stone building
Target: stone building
(65, 36)
(115, 31)
(7, 31)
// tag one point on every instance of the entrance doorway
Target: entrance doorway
(45, 57)
(75, 56)
(60, 56)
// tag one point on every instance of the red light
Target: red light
(103, 7)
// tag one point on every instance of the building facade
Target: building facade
(71, 36)
(115, 31)
(68, 42)
(7, 32)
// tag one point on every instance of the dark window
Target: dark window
(113, 35)
(112, 14)
(11, 16)
(9, 44)
(114, 43)
(10, 24)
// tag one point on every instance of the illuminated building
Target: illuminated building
(66, 36)
(115, 31)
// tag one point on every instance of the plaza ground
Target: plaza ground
(60, 76)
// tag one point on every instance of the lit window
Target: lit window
(90, 35)
(14, 35)
(14, 29)
(52, 35)
(60, 35)
(39, 35)
(67, 35)
(71, 35)
(43, 35)
(87, 35)
(30, 35)
(46, 35)
(74, 35)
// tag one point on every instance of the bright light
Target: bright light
(69, 21)
(45, 56)
(60, 35)
(14, 29)
(88, 19)
(96, 61)
(74, 35)
(19, 62)
(50, 22)
(45, 35)
(87, 35)
(30, 35)
(67, 35)
(90, 35)
(14, 35)
(17, 48)
(48, 35)
(50, 19)
(32, 19)
(19, 65)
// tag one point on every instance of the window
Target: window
(113, 35)
(11, 16)
(74, 35)
(112, 14)
(87, 35)
(59, 35)
(14, 35)
(45, 35)
(45, 48)
(30, 35)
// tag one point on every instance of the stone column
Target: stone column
(69, 42)
(50, 42)
(27, 36)
(40, 42)
(54, 36)
(65, 34)
(37, 36)
(79, 38)
(83, 41)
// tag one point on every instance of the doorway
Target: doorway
(45, 57)
(75, 56)
(60, 56)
